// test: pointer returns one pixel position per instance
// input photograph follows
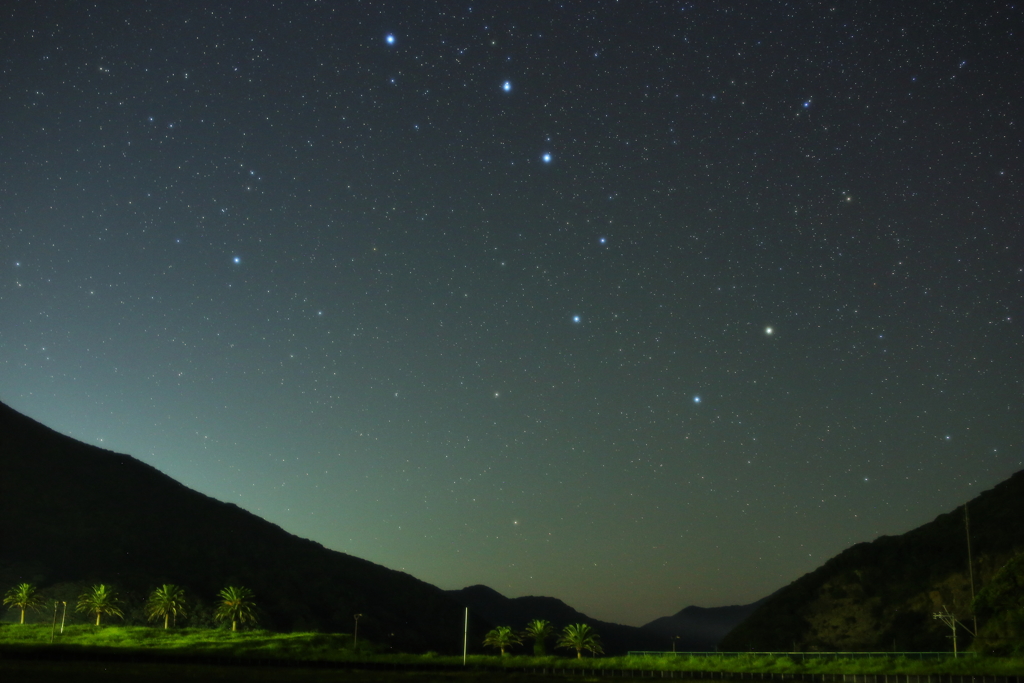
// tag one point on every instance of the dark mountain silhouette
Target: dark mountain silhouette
(882, 595)
(490, 605)
(70, 512)
(700, 629)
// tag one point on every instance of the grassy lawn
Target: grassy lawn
(313, 647)
(191, 641)
(976, 665)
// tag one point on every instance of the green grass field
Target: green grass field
(190, 641)
(195, 643)
(782, 663)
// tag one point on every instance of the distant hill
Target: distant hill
(700, 629)
(70, 512)
(492, 606)
(882, 595)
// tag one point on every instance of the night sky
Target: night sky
(636, 304)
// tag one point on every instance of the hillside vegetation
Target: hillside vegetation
(883, 595)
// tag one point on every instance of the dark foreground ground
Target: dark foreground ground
(27, 671)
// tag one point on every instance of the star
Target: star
(237, 259)
(507, 86)
(389, 39)
(768, 331)
(696, 399)
(576, 319)
(546, 158)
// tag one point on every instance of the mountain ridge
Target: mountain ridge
(74, 512)
(701, 629)
(516, 612)
(881, 595)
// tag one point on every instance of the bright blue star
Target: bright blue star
(507, 86)
(603, 240)
(576, 319)
(807, 104)
(546, 158)
(696, 399)
(389, 39)
(237, 259)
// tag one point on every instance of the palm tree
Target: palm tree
(23, 597)
(167, 601)
(502, 637)
(236, 606)
(540, 630)
(580, 637)
(100, 600)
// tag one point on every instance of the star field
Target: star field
(635, 305)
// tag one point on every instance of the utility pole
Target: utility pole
(970, 565)
(355, 633)
(950, 620)
(465, 637)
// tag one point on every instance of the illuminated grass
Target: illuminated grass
(785, 664)
(313, 647)
(192, 641)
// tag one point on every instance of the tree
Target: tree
(236, 605)
(100, 600)
(539, 630)
(502, 638)
(167, 601)
(1005, 591)
(23, 597)
(1001, 604)
(580, 637)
